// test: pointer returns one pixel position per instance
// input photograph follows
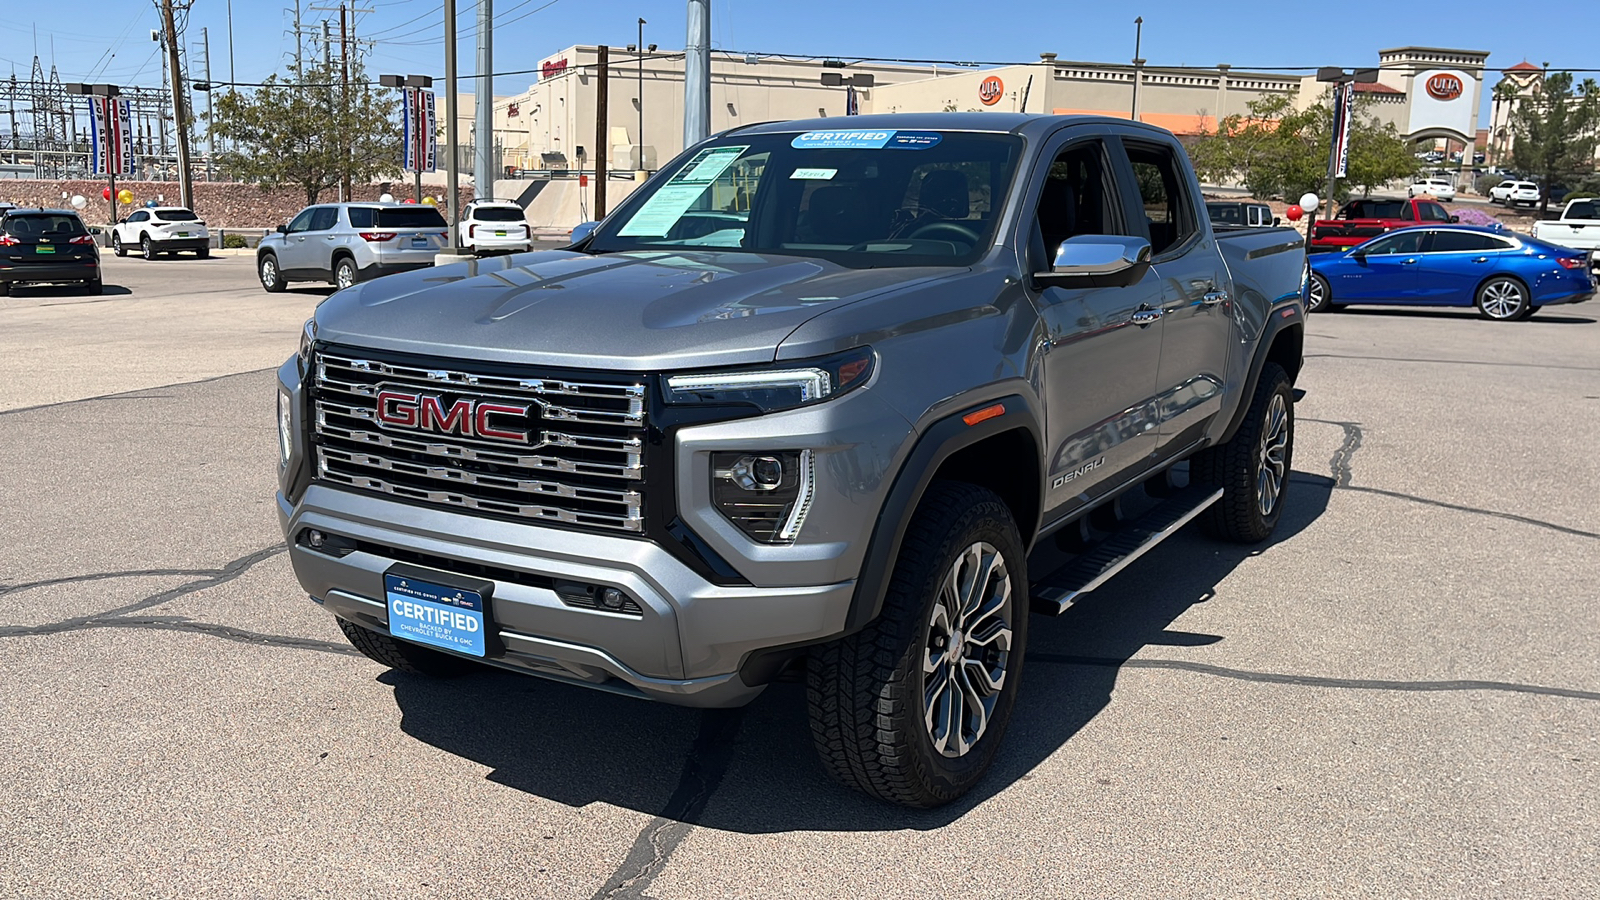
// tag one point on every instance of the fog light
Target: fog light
(316, 539)
(611, 598)
(766, 495)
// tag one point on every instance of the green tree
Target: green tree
(1555, 131)
(1277, 150)
(305, 129)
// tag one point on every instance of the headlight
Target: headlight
(308, 336)
(766, 495)
(285, 427)
(776, 387)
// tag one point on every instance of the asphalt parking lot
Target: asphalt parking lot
(1399, 696)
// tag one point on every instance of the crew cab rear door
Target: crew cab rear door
(1196, 310)
(1098, 348)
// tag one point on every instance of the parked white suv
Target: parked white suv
(1516, 192)
(161, 229)
(490, 226)
(1437, 188)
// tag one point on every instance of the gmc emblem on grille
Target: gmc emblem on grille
(463, 416)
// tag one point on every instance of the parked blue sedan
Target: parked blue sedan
(1506, 276)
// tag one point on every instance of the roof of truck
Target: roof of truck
(991, 122)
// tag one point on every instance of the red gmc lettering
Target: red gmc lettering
(457, 421)
(395, 408)
(485, 410)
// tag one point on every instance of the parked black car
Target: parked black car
(43, 246)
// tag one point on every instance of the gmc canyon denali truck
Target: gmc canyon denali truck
(805, 402)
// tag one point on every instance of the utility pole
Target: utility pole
(180, 109)
(452, 180)
(231, 78)
(697, 74)
(639, 138)
(1138, 65)
(344, 106)
(601, 127)
(211, 142)
(483, 141)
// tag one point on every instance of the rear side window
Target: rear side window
(425, 217)
(497, 214)
(1463, 241)
(39, 224)
(177, 215)
(1167, 208)
(361, 216)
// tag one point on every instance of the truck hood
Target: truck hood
(638, 311)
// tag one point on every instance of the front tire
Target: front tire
(116, 245)
(269, 273)
(1319, 295)
(1503, 299)
(1253, 468)
(912, 708)
(403, 656)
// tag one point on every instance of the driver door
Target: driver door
(1099, 363)
(1388, 269)
(294, 257)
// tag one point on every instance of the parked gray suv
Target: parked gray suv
(343, 243)
(804, 404)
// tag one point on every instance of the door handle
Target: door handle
(1481, 259)
(1212, 298)
(1408, 262)
(1146, 317)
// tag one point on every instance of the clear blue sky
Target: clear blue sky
(109, 40)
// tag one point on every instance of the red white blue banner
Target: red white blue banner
(111, 135)
(421, 130)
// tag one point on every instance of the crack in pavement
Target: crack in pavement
(1365, 684)
(133, 394)
(1343, 473)
(213, 578)
(103, 576)
(703, 771)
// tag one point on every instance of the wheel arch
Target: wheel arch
(1527, 288)
(1283, 342)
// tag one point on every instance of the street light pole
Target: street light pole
(451, 179)
(639, 138)
(1138, 64)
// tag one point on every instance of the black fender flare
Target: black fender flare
(936, 444)
(1279, 319)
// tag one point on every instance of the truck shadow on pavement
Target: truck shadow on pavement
(1547, 315)
(753, 770)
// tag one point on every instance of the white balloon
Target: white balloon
(1309, 201)
(78, 202)
(386, 198)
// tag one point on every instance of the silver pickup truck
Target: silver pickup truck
(803, 405)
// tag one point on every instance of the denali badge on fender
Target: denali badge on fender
(464, 415)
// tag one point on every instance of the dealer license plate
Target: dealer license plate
(183, 234)
(419, 242)
(43, 248)
(436, 615)
(499, 234)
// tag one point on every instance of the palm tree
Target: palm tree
(1504, 95)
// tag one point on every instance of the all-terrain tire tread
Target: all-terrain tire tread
(852, 694)
(1232, 467)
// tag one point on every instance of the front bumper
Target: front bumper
(36, 273)
(686, 647)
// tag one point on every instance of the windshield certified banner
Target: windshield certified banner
(111, 135)
(1344, 102)
(421, 131)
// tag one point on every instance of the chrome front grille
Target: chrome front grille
(582, 463)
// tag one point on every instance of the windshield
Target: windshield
(497, 214)
(177, 215)
(859, 198)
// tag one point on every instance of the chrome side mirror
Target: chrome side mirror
(1097, 260)
(582, 231)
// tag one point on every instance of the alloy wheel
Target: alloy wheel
(1316, 295)
(269, 272)
(1503, 300)
(968, 649)
(1274, 447)
(346, 276)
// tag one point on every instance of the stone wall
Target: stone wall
(222, 204)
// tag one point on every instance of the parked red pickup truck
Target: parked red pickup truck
(1361, 220)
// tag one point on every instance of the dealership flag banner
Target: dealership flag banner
(421, 131)
(1344, 101)
(111, 135)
